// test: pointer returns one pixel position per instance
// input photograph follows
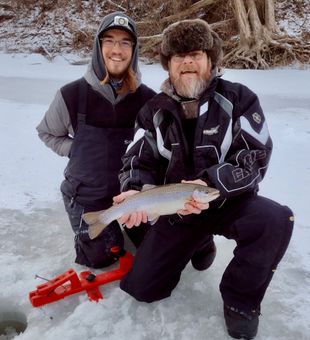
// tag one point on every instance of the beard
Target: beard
(189, 88)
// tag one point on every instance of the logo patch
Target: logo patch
(257, 117)
(212, 131)
(120, 21)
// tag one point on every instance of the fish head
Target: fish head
(205, 194)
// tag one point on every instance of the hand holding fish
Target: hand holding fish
(194, 206)
(134, 207)
(134, 219)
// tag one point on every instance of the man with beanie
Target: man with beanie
(206, 130)
(91, 121)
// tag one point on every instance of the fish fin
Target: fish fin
(95, 229)
(148, 187)
(152, 218)
(92, 216)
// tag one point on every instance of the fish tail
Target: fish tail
(95, 229)
(92, 217)
(95, 226)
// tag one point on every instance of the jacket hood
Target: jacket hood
(117, 20)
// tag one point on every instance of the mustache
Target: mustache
(188, 68)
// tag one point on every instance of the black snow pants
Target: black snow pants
(261, 228)
(94, 253)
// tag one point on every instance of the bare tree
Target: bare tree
(260, 43)
(248, 28)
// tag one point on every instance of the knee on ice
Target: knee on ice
(141, 294)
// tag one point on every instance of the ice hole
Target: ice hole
(12, 321)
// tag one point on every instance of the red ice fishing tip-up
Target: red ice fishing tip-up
(70, 283)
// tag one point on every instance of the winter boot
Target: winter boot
(204, 256)
(241, 325)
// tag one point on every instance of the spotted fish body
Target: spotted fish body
(156, 201)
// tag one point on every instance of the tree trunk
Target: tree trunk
(270, 20)
(243, 23)
(261, 43)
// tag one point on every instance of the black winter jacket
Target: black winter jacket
(232, 146)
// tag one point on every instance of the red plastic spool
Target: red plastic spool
(70, 283)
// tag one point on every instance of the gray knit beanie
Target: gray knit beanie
(190, 35)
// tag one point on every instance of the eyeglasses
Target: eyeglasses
(110, 43)
(196, 55)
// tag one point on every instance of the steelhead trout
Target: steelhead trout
(155, 200)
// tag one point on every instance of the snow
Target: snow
(293, 17)
(36, 238)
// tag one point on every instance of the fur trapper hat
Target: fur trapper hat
(190, 35)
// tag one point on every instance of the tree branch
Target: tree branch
(193, 8)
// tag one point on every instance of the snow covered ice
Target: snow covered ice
(36, 237)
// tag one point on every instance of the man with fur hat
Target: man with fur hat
(206, 130)
(90, 121)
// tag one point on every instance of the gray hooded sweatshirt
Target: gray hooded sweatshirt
(56, 129)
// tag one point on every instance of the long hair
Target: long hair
(130, 83)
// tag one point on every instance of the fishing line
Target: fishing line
(42, 278)
(48, 280)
